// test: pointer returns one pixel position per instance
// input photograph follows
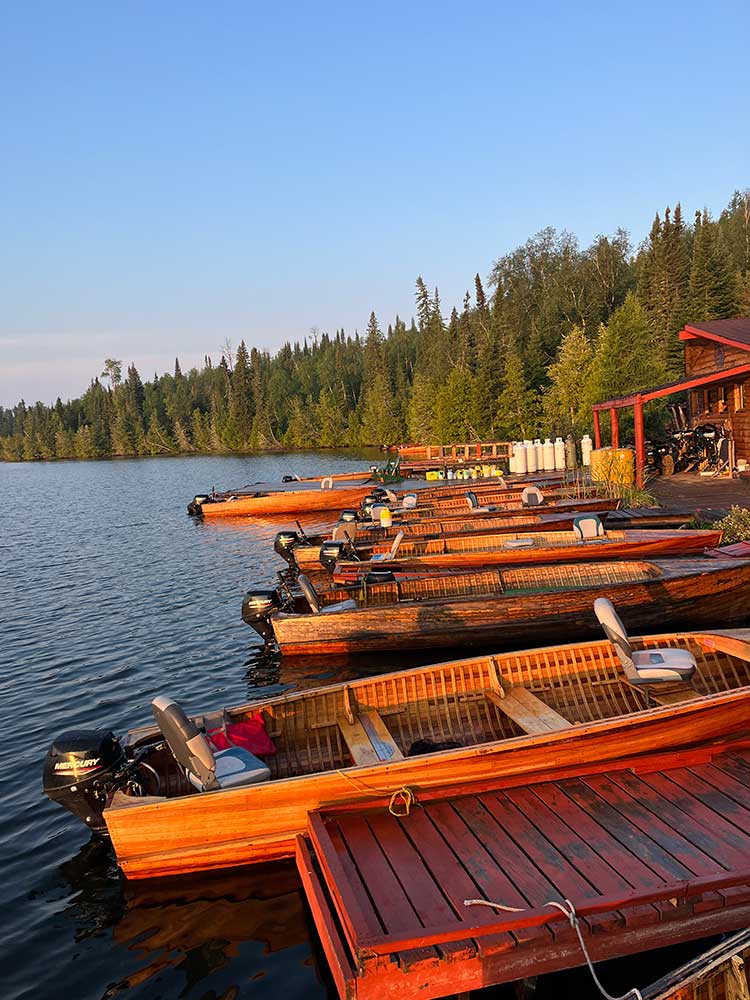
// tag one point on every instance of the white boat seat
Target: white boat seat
(375, 511)
(206, 769)
(643, 666)
(588, 526)
(532, 496)
(330, 609)
(409, 502)
(519, 543)
(391, 553)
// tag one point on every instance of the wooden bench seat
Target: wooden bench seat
(368, 739)
(527, 711)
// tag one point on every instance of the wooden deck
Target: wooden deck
(648, 858)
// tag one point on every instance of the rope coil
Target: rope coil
(401, 802)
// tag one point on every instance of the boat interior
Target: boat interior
(455, 705)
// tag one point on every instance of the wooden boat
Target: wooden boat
(523, 548)
(442, 509)
(506, 715)
(507, 605)
(297, 498)
(369, 536)
(719, 972)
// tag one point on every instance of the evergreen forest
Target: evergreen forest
(552, 328)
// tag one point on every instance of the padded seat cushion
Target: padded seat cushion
(237, 766)
(329, 609)
(664, 664)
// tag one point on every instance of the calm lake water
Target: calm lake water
(111, 595)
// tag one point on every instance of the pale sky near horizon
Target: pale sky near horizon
(176, 174)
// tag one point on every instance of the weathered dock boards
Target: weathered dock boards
(648, 857)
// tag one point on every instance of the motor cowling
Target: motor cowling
(81, 769)
(348, 516)
(194, 507)
(332, 552)
(283, 545)
(257, 608)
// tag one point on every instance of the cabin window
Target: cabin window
(740, 394)
(722, 399)
(719, 357)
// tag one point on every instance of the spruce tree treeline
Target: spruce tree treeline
(557, 328)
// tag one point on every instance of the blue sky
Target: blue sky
(175, 174)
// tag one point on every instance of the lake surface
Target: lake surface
(110, 596)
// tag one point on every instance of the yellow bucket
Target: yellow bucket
(432, 475)
(613, 465)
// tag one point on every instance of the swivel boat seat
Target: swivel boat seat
(312, 598)
(532, 496)
(643, 666)
(471, 500)
(206, 769)
(586, 527)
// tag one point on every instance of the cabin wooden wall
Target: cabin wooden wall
(720, 404)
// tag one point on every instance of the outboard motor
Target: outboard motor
(380, 576)
(283, 546)
(348, 515)
(257, 607)
(82, 767)
(194, 507)
(332, 552)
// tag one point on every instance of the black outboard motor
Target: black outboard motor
(257, 607)
(348, 515)
(283, 545)
(81, 769)
(194, 507)
(332, 552)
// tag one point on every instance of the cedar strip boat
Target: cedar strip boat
(512, 714)
(718, 974)
(295, 500)
(507, 605)
(510, 508)
(644, 859)
(519, 548)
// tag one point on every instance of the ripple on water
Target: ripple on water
(115, 595)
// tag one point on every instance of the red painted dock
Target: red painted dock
(648, 858)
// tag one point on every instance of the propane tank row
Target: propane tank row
(557, 456)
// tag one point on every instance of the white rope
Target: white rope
(566, 908)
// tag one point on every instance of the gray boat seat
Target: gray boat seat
(532, 496)
(473, 502)
(206, 769)
(646, 666)
(409, 501)
(375, 511)
(344, 531)
(331, 609)
(588, 526)
(391, 553)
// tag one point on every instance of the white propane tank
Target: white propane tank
(539, 454)
(559, 454)
(549, 456)
(451, 474)
(520, 455)
(530, 456)
(587, 446)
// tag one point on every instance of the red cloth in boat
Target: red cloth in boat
(250, 735)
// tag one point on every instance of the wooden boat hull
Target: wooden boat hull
(688, 593)
(287, 502)
(618, 545)
(454, 509)
(259, 823)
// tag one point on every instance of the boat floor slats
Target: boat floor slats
(631, 850)
(528, 711)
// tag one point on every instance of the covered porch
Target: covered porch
(637, 400)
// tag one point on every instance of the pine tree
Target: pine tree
(239, 427)
(517, 405)
(567, 399)
(713, 292)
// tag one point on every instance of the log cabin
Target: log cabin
(716, 380)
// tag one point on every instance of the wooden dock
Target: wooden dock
(649, 858)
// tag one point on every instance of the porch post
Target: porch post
(640, 444)
(615, 423)
(597, 431)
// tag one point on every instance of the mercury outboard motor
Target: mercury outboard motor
(283, 545)
(82, 768)
(332, 552)
(257, 607)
